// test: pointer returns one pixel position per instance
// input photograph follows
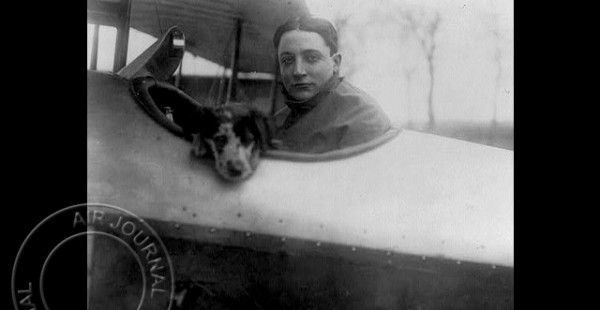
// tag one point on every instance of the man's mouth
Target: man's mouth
(303, 85)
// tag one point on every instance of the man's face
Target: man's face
(305, 63)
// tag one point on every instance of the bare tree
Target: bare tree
(492, 23)
(413, 23)
(495, 32)
(344, 28)
(422, 25)
(408, 72)
(425, 29)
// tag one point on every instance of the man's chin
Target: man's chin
(303, 95)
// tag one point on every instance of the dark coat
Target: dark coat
(338, 117)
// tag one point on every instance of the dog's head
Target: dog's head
(234, 134)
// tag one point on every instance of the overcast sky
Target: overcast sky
(468, 78)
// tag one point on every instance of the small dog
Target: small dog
(235, 134)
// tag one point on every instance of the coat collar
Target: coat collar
(303, 106)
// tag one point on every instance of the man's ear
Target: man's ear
(337, 62)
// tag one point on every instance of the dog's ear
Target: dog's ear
(262, 127)
(199, 147)
(190, 120)
(194, 119)
(197, 124)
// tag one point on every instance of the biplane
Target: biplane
(411, 221)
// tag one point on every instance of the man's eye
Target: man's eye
(312, 58)
(287, 60)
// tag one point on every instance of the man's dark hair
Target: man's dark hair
(309, 23)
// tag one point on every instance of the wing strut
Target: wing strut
(232, 86)
(116, 14)
(123, 37)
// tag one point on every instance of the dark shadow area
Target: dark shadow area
(215, 276)
(502, 135)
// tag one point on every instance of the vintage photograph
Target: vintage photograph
(299, 154)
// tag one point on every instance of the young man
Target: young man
(323, 111)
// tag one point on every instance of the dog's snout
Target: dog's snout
(235, 166)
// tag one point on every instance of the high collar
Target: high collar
(300, 106)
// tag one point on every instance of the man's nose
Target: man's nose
(299, 68)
